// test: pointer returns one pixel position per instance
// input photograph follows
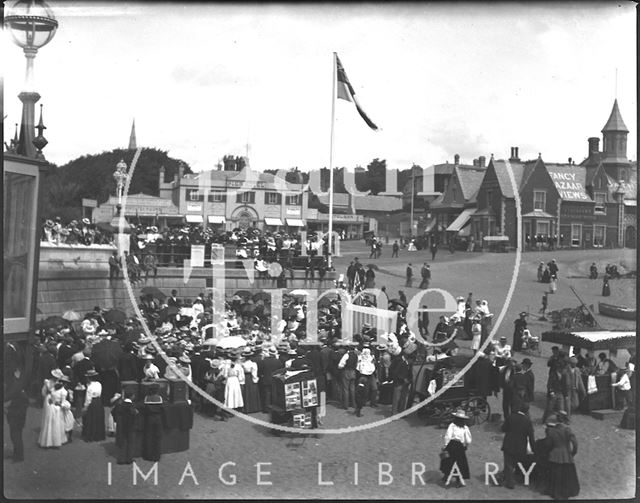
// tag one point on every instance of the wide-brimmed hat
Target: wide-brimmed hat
(90, 373)
(49, 223)
(86, 221)
(460, 414)
(64, 378)
(272, 351)
(154, 228)
(185, 359)
(57, 373)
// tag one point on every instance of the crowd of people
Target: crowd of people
(83, 232)
(81, 366)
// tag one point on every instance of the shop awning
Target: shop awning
(537, 214)
(461, 220)
(273, 221)
(193, 219)
(295, 222)
(213, 219)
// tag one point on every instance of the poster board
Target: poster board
(197, 255)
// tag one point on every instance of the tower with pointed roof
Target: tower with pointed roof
(132, 137)
(614, 137)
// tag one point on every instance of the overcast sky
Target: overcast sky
(203, 80)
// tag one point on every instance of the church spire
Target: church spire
(614, 136)
(132, 137)
(615, 122)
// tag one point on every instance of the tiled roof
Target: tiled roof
(470, 179)
(615, 122)
(570, 180)
(502, 174)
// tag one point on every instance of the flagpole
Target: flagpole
(333, 113)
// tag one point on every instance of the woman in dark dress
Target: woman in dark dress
(93, 427)
(562, 482)
(153, 411)
(456, 440)
(124, 413)
(250, 390)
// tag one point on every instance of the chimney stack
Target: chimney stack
(514, 154)
(570, 160)
(481, 161)
(161, 175)
(475, 162)
(594, 145)
(456, 159)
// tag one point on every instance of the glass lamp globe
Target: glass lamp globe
(31, 24)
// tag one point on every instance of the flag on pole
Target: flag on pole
(346, 92)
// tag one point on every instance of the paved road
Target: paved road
(605, 462)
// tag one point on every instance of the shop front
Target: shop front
(350, 226)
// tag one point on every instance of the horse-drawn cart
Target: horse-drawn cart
(461, 395)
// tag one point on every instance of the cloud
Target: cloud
(457, 138)
(206, 76)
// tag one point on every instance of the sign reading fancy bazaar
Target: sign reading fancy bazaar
(568, 186)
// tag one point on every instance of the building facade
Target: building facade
(589, 205)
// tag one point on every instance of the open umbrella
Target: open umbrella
(52, 321)
(243, 293)
(374, 267)
(231, 342)
(397, 302)
(154, 291)
(71, 316)
(263, 296)
(298, 293)
(115, 316)
(169, 311)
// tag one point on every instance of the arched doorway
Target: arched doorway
(630, 237)
(244, 217)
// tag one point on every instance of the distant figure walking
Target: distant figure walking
(395, 249)
(434, 250)
(426, 276)
(606, 290)
(409, 282)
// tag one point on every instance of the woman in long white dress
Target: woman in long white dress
(52, 430)
(67, 414)
(232, 390)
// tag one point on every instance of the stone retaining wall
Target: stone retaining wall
(77, 278)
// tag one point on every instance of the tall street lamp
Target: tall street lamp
(32, 25)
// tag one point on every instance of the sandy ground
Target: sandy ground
(605, 460)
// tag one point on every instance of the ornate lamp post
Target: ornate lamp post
(32, 25)
(120, 176)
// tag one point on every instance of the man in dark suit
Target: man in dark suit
(519, 430)
(400, 374)
(409, 282)
(128, 364)
(173, 300)
(16, 403)
(506, 385)
(482, 374)
(266, 368)
(530, 380)
(66, 351)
